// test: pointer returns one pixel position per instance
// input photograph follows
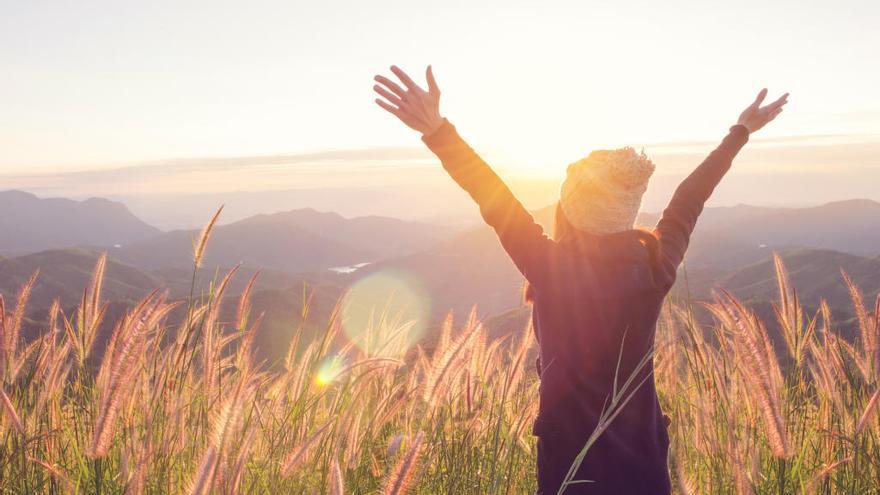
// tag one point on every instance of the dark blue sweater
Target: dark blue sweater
(586, 297)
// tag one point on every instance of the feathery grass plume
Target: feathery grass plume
(787, 308)
(823, 375)
(337, 484)
(10, 411)
(352, 440)
(869, 410)
(243, 312)
(405, 472)
(97, 284)
(138, 477)
(204, 477)
(876, 328)
(297, 456)
(54, 309)
(238, 470)
(869, 335)
(201, 243)
(90, 312)
(490, 354)
(116, 375)
(790, 315)
(11, 328)
(516, 363)
(5, 338)
(399, 403)
(443, 366)
(25, 355)
(243, 359)
(445, 334)
(211, 345)
(293, 347)
(761, 371)
(224, 426)
(370, 363)
(525, 420)
(478, 353)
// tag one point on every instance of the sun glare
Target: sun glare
(386, 313)
(329, 370)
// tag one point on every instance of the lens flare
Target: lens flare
(386, 313)
(329, 370)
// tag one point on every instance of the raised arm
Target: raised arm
(521, 237)
(680, 216)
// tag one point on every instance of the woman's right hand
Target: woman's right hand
(415, 107)
(755, 116)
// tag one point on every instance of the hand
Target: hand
(415, 107)
(755, 116)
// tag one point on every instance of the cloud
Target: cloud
(787, 170)
(217, 174)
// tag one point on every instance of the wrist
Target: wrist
(433, 126)
(743, 125)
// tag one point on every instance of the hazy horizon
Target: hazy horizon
(175, 109)
(406, 182)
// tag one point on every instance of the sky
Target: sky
(130, 99)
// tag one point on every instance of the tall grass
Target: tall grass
(185, 408)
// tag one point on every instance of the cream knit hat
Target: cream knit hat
(602, 192)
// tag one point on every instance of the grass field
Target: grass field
(185, 409)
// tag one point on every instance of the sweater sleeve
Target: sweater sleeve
(680, 216)
(520, 235)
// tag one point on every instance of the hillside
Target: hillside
(296, 241)
(849, 226)
(32, 224)
(65, 273)
(816, 273)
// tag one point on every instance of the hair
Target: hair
(565, 232)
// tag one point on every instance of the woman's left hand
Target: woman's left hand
(755, 116)
(415, 107)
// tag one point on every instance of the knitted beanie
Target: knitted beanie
(602, 192)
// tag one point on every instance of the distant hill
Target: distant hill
(731, 247)
(472, 268)
(30, 224)
(296, 241)
(65, 273)
(816, 273)
(848, 226)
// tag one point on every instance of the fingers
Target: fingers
(392, 98)
(400, 92)
(760, 98)
(432, 83)
(780, 102)
(405, 79)
(391, 109)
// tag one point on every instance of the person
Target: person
(597, 288)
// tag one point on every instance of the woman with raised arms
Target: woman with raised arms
(596, 287)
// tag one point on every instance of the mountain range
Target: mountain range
(29, 224)
(459, 268)
(295, 241)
